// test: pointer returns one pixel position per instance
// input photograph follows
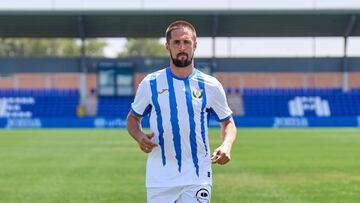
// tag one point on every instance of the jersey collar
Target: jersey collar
(168, 70)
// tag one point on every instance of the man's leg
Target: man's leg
(163, 194)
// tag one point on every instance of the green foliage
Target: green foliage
(95, 166)
(95, 47)
(23, 47)
(143, 47)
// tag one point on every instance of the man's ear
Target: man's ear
(195, 45)
(167, 46)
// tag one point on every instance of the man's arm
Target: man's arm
(222, 154)
(133, 125)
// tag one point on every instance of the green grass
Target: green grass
(268, 165)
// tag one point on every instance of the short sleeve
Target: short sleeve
(141, 105)
(218, 103)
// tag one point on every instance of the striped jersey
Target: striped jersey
(179, 111)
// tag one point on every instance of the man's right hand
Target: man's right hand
(145, 143)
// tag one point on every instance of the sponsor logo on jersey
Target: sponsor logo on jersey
(162, 91)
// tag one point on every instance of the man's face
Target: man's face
(181, 47)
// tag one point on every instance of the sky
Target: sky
(168, 4)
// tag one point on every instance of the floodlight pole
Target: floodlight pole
(347, 33)
(345, 86)
(83, 67)
(213, 37)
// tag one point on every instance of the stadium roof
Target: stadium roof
(152, 23)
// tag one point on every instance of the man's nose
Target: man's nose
(181, 47)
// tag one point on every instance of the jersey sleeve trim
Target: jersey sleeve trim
(211, 110)
(226, 118)
(146, 112)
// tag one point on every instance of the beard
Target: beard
(181, 63)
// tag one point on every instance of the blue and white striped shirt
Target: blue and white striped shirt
(179, 110)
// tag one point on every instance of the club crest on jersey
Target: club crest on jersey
(197, 93)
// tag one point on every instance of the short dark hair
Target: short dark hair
(176, 25)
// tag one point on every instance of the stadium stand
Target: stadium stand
(318, 102)
(114, 106)
(301, 102)
(27, 103)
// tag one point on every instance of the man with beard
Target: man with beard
(179, 99)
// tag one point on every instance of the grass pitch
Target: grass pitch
(268, 166)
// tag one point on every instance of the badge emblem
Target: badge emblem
(197, 93)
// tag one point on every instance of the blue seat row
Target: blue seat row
(292, 91)
(38, 92)
(39, 102)
(342, 104)
(118, 106)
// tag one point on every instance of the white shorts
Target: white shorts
(179, 194)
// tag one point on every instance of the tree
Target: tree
(143, 47)
(24, 47)
(95, 47)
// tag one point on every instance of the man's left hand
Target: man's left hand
(221, 155)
